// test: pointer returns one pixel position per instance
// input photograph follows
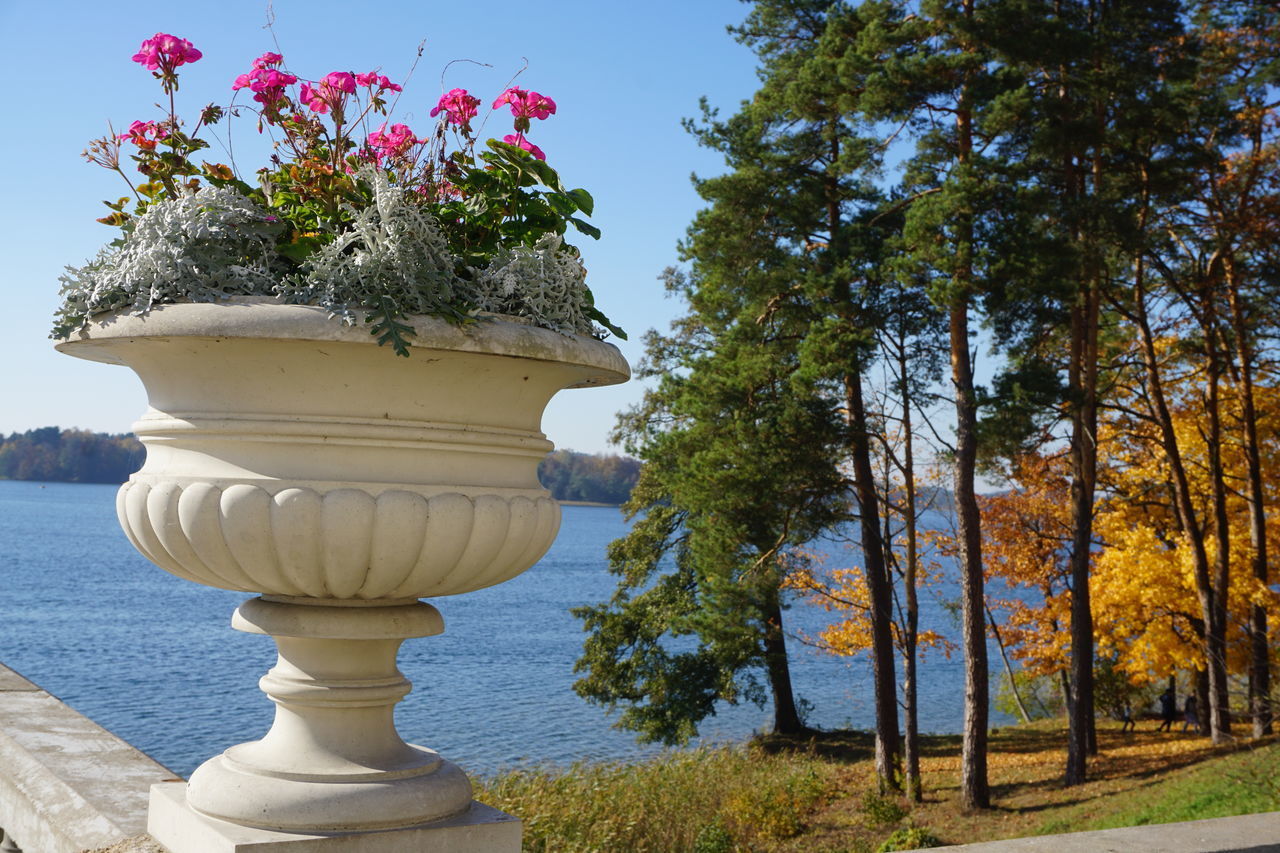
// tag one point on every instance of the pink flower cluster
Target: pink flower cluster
(330, 92)
(265, 80)
(458, 106)
(163, 52)
(373, 79)
(144, 134)
(526, 104)
(392, 143)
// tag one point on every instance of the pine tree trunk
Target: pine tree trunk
(911, 745)
(974, 790)
(1219, 708)
(1083, 378)
(786, 719)
(888, 745)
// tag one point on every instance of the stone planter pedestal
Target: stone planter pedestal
(291, 457)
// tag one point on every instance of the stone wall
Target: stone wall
(67, 785)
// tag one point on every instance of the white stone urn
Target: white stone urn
(289, 455)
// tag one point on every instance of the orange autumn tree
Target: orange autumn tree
(1147, 618)
(1028, 542)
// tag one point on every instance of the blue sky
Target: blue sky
(622, 74)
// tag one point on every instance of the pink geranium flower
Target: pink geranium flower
(164, 52)
(519, 140)
(144, 134)
(526, 104)
(267, 60)
(342, 81)
(458, 105)
(267, 84)
(392, 143)
(330, 92)
(373, 79)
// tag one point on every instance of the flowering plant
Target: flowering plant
(355, 218)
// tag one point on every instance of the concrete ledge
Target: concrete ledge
(67, 784)
(1254, 833)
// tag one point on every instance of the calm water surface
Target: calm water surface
(154, 659)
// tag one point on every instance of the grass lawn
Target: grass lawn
(817, 794)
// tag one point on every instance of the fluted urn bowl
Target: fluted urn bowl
(290, 455)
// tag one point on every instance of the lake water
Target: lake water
(154, 659)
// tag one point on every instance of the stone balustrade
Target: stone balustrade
(67, 785)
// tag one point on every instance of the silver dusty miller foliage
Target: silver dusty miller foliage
(543, 284)
(202, 247)
(393, 250)
(393, 259)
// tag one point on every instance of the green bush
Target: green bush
(909, 838)
(881, 810)
(713, 838)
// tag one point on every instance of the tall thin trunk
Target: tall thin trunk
(1184, 505)
(1084, 470)
(1219, 707)
(786, 719)
(888, 746)
(911, 746)
(1204, 698)
(1008, 670)
(888, 743)
(1259, 647)
(975, 792)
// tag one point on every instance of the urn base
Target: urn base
(332, 760)
(477, 829)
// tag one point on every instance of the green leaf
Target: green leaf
(585, 227)
(562, 204)
(545, 173)
(583, 200)
(595, 314)
(387, 329)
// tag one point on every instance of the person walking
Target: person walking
(1168, 710)
(1125, 715)
(1190, 717)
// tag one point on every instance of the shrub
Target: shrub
(713, 838)
(881, 810)
(909, 838)
(706, 800)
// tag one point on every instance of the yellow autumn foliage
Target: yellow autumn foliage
(1147, 616)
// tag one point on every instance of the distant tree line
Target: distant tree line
(594, 478)
(51, 454)
(69, 456)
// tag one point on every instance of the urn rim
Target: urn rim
(259, 317)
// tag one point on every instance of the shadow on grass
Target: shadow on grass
(844, 746)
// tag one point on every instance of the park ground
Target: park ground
(817, 794)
